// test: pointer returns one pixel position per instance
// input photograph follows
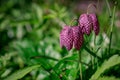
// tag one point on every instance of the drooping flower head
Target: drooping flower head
(70, 36)
(78, 37)
(85, 23)
(66, 37)
(73, 36)
(88, 22)
(95, 23)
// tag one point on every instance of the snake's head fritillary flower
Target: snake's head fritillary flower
(88, 22)
(78, 37)
(70, 36)
(85, 23)
(66, 38)
(95, 23)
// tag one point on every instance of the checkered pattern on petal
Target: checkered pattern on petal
(78, 37)
(66, 38)
(95, 23)
(85, 22)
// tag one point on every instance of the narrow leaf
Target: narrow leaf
(21, 73)
(114, 60)
(108, 78)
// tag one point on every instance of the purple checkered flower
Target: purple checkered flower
(85, 23)
(88, 22)
(78, 37)
(66, 38)
(70, 36)
(95, 23)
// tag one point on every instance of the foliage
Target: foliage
(21, 73)
(114, 60)
(29, 43)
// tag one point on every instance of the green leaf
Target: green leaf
(114, 60)
(21, 73)
(108, 78)
(67, 67)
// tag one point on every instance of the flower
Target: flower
(66, 37)
(85, 22)
(70, 36)
(88, 22)
(95, 23)
(77, 36)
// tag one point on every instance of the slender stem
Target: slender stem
(111, 31)
(110, 42)
(94, 40)
(92, 61)
(80, 65)
(92, 53)
(92, 58)
(113, 16)
(109, 10)
(74, 19)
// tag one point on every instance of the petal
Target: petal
(95, 23)
(85, 22)
(66, 38)
(78, 37)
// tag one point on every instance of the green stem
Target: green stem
(74, 19)
(110, 42)
(92, 53)
(80, 65)
(92, 61)
(109, 10)
(111, 31)
(94, 40)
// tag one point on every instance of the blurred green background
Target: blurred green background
(30, 28)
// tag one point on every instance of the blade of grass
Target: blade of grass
(109, 9)
(21, 73)
(111, 31)
(107, 64)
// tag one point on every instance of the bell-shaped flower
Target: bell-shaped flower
(66, 37)
(70, 36)
(95, 23)
(78, 37)
(85, 23)
(88, 22)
